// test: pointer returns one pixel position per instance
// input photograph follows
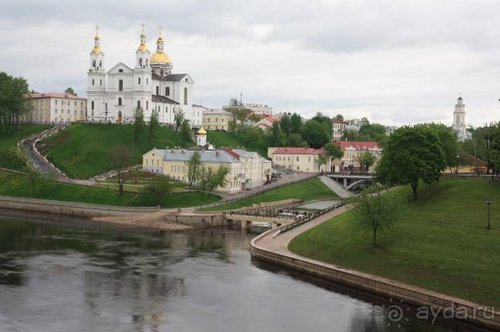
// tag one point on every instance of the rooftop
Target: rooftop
(55, 95)
(292, 150)
(358, 145)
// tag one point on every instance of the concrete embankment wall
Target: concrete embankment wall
(373, 284)
(198, 219)
(68, 208)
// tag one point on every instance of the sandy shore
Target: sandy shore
(149, 220)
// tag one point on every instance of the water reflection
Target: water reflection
(58, 277)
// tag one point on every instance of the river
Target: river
(68, 276)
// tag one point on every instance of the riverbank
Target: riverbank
(274, 250)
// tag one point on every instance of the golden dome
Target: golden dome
(96, 50)
(143, 48)
(201, 131)
(159, 57)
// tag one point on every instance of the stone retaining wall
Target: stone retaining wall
(198, 219)
(374, 284)
(68, 208)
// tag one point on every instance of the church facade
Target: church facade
(151, 85)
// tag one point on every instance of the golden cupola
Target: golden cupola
(142, 46)
(97, 48)
(160, 57)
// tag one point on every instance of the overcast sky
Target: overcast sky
(393, 61)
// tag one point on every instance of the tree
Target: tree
(159, 187)
(209, 180)
(296, 123)
(138, 123)
(275, 136)
(153, 125)
(333, 151)
(286, 124)
(316, 134)
(296, 140)
(321, 160)
(186, 132)
(13, 100)
(178, 119)
(194, 167)
(70, 91)
(448, 140)
(120, 160)
(376, 210)
(326, 121)
(412, 154)
(339, 117)
(365, 160)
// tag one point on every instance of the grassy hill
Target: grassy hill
(8, 142)
(440, 242)
(307, 190)
(82, 150)
(237, 139)
(18, 185)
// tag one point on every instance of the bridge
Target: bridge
(351, 180)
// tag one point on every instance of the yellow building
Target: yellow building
(55, 108)
(298, 159)
(246, 169)
(352, 151)
(216, 119)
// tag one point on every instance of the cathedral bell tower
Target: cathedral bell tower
(160, 61)
(142, 54)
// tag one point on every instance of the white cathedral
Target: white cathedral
(114, 95)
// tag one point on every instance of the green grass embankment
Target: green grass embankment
(20, 186)
(440, 242)
(307, 190)
(83, 150)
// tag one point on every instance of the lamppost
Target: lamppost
(488, 204)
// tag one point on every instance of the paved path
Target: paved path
(336, 187)
(280, 243)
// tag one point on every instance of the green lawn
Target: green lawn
(307, 190)
(82, 150)
(440, 242)
(237, 139)
(17, 185)
(9, 140)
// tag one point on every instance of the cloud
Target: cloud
(395, 62)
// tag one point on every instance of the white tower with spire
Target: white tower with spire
(142, 77)
(96, 83)
(459, 118)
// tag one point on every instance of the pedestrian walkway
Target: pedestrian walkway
(336, 187)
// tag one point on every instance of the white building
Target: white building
(338, 128)
(114, 95)
(214, 119)
(459, 120)
(246, 169)
(55, 108)
(259, 108)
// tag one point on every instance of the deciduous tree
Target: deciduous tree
(139, 123)
(13, 100)
(412, 154)
(159, 187)
(153, 125)
(194, 167)
(120, 159)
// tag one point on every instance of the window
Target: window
(147, 81)
(297, 158)
(120, 70)
(157, 90)
(92, 81)
(147, 105)
(139, 80)
(92, 105)
(298, 168)
(167, 91)
(105, 106)
(120, 85)
(138, 104)
(100, 82)
(120, 101)
(185, 96)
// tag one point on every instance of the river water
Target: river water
(67, 276)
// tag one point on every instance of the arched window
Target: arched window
(92, 105)
(139, 80)
(120, 85)
(138, 104)
(93, 82)
(157, 90)
(167, 91)
(185, 96)
(120, 101)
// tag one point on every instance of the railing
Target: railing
(255, 193)
(310, 217)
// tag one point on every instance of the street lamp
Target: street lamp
(488, 204)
